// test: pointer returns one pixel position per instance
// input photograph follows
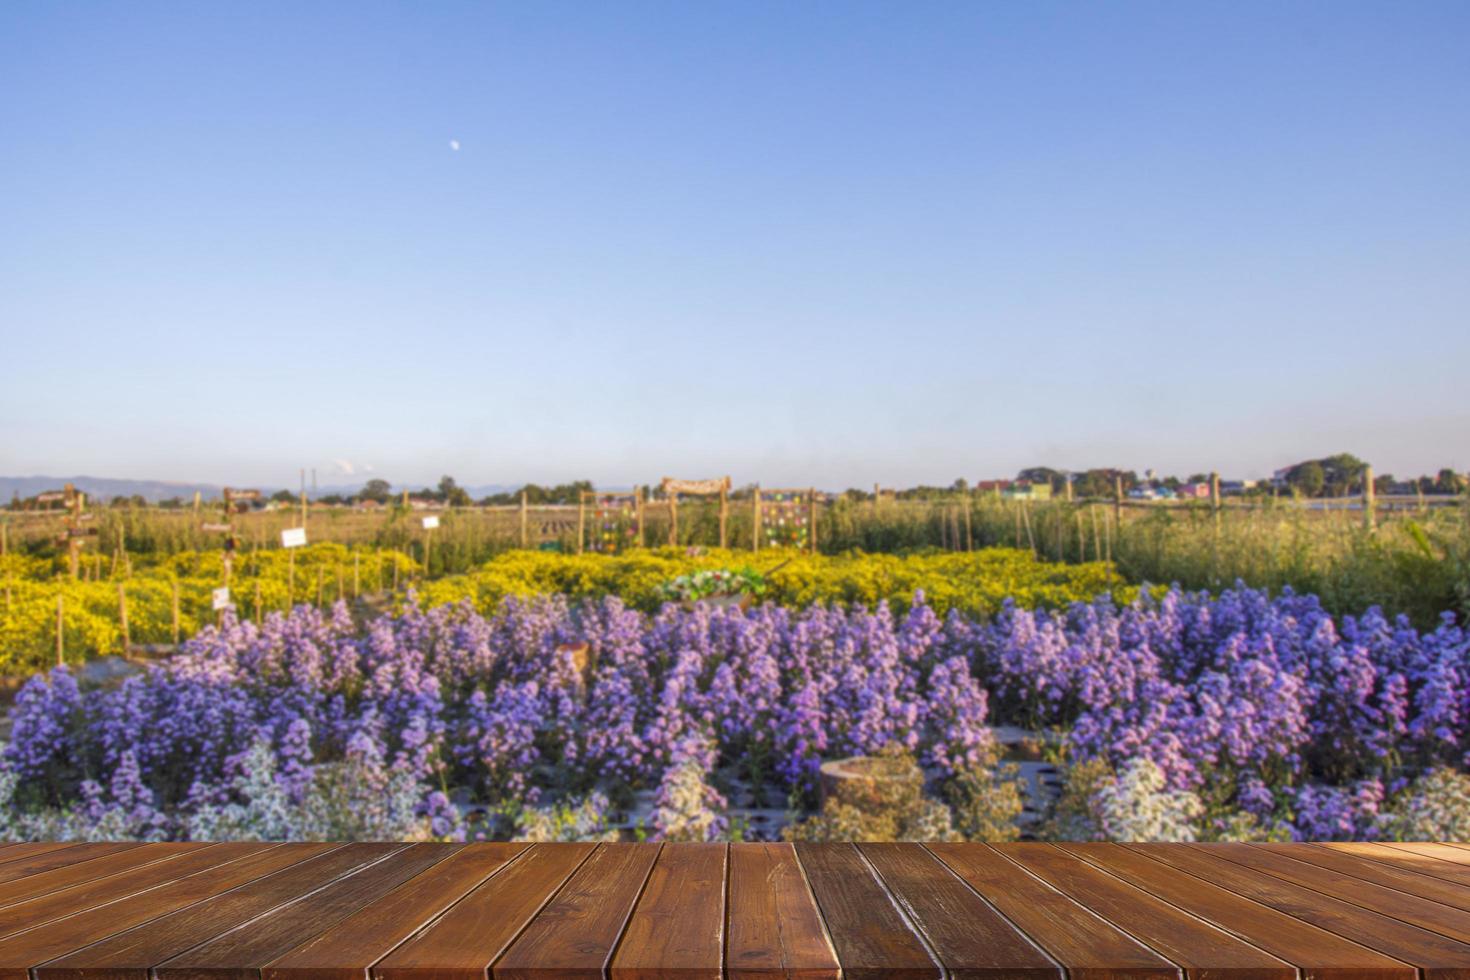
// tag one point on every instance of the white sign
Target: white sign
(293, 537)
(430, 523)
(222, 599)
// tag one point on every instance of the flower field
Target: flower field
(1182, 716)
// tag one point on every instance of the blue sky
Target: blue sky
(829, 243)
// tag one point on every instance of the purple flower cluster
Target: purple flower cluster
(1256, 703)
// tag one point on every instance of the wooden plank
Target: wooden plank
(1202, 950)
(348, 949)
(463, 943)
(1392, 902)
(775, 929)
(575, 934)
(973, 940)
(1319, 954)
(34, 886)
(49, 858)
(1397, 857)
(1437, 955)
(870, 934)
(15, 852)
(677, 928)
(91, 894)
(1444, 852)
(130, 955)
(1086, 946)
(241, 953)
(1421, 885)
(36, 946)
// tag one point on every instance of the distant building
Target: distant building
(1025, 490)
(1194, 491)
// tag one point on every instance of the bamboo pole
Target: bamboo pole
(356, 574)
(969, 540)
(174, 610)
(60, 629)
(258, 612)
(318, 587)
(673, 519)
(290, 577)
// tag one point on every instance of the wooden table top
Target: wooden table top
(467, 912)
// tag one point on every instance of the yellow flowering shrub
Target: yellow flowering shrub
(976, 583)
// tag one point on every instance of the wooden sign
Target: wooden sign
(207, 526)
(241, 494)
(700, 488)
(220, 599)
(50, 496)
(293, 537)
(430, 523)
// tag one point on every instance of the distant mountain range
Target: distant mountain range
(105, 488)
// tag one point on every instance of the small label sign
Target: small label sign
(430, 523)
(293, 537)
(214, 527)
(222, 599)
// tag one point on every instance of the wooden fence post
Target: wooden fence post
(290, 577)
(1370, 500)
(581, 519)
(525, 525)
(673, 519)
(969, 539)
(174, 608)
(724, 503)
(811, 506)
(122, 617)
(755, 519)
(258, 612)
(60, 629)
(356, 574)
(319, 587)
(638, 505)
(1118, 501)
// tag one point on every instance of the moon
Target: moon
(454, 145)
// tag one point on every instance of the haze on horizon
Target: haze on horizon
(827, 245)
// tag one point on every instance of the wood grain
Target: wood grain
(348, 949)
(130, 955)
(1421, 885)
(1204, 952)
(678, 927)
(1319, 954)
(871, 935)
(463, 943)
(46, 858)
(775, 929)
(1087, 946)
(973, 940)
(1438, 956)
(104, 891)
(1391, 902)
(36, 946)
(88, 872)
(241, 953)
(575, 934)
